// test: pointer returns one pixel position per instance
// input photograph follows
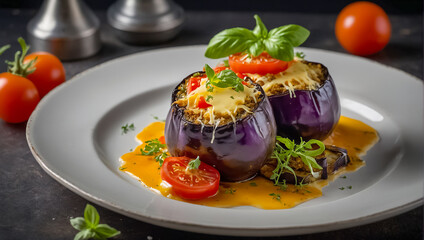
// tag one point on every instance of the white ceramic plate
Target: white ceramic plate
(75, 136)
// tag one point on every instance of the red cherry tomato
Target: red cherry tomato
(49, 71)
(18, 98)
(363, 28)
(190, 184)
(162, 139)
(193, 84)
(261, 64)
(202, 103)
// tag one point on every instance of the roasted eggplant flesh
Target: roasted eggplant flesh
(331, 160)
(237, 149)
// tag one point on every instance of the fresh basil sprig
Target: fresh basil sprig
(224, 79)
(279, 42)
(304, 150)
(89, 226)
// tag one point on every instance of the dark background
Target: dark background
(306, 6)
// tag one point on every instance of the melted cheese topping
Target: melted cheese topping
(224, 101)
(299, 76)
(353, 135)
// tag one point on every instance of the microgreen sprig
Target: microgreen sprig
(286, 149)
(194, 164)
(224, 79)
(278, 42)
(155, 148)
(89, 226)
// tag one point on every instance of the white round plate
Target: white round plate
(75, 135)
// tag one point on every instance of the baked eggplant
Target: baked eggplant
(307, 114)
(237, 149)
(331, 160)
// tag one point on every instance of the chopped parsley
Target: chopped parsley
(155, 148)
(208, 98)
(275, 196)
(127, 127)
(300, 55)
(230, 191)
(253, 184)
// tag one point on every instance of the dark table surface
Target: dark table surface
(34, 206)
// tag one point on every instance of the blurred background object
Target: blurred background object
(66, 28)
(305, 6)
(145, 21)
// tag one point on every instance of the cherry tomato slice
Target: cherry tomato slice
(190, 184)
(193, 84)
(202, 103)
(162, 139)
(261, 64)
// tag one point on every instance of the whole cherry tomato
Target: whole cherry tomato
(363, 28)
(261, 64)
(190, 184)
(49, 71)
(18, 98)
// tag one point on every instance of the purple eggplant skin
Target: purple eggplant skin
(238, 150)
(310, 114)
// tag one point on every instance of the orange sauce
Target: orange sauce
(351, 134)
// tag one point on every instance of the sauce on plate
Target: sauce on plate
(353, 135)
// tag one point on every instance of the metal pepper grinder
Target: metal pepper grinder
(145, 21)
(66, 28)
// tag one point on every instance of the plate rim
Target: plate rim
(205, 228)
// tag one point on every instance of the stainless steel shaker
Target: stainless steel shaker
(145, 21)
(66, 28)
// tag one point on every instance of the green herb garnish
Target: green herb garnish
(279, 42)
(253, 184)
(89, 226)
(194, 164)
(300, 55)
(157, 118)
(208, 98)
(342, 188)
(127, 127)
(230, 191)
(286, 149)
(275, 196)
(155, 148)
(224, 79)
(226, 64)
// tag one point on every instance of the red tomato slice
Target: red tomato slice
(193, 84)
(261, 64)
(218, 68)
(190, 184)
(202, 103)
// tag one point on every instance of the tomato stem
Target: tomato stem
(18, 67)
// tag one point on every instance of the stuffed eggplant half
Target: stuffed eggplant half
(225, 121)
(304, 100)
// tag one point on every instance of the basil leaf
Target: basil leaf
(257, 48)
(78, 223)
(91, 216)
(293, 34)
(105, 231)
(279, 49)
(230, 41)
(260, 30)
(85, 235)
(228, 78)
(210, 73)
